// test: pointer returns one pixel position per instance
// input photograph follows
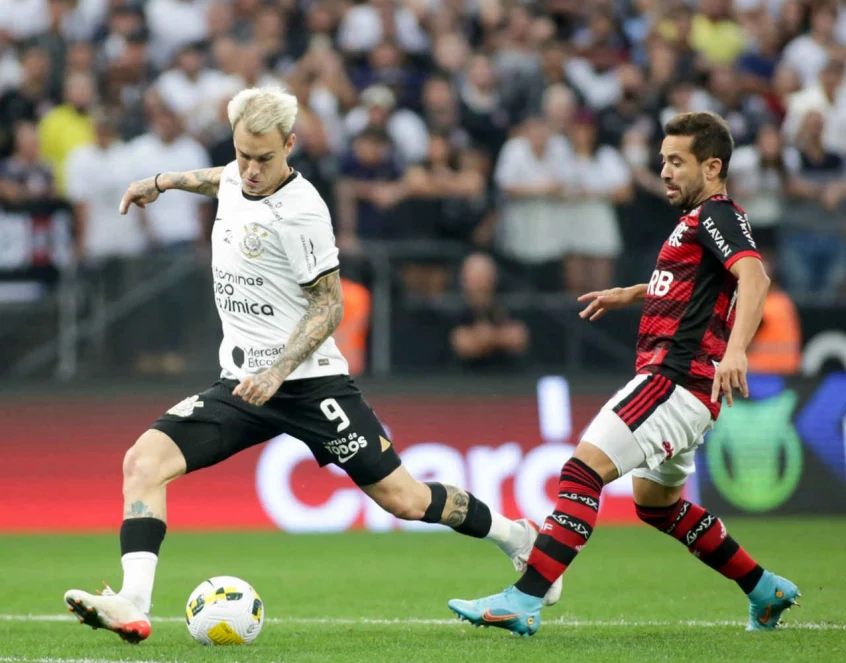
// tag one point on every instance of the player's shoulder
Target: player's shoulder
(722, 209)
(301, 203)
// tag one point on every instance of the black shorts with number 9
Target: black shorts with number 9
(329, 414)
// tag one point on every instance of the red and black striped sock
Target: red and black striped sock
(566, 531)
(705, 536)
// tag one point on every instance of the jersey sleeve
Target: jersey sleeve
(725, 232)
(310, 247)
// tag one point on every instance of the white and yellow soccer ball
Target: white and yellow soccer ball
(224, 611)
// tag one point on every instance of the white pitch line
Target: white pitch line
(560, 622)
(10, 659)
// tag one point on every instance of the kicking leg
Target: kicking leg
(152, 462)
(706, 537)
(565, 532)
(405, 497)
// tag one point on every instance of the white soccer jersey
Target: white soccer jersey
(263, 252)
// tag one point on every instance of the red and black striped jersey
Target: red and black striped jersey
(688, 311)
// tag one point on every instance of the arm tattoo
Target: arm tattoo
(205, 181)
(455, 510)
(322, 317)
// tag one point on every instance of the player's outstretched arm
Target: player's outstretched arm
(143, 192)
(602, 301)
(322, 317)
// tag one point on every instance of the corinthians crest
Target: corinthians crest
(251, 244)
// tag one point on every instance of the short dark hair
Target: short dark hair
(711, 136)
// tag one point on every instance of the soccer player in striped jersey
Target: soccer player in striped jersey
(701, 308)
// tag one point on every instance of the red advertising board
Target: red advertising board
(61, 465)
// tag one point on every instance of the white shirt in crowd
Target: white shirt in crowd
(176, 216)
(264, 251)
(530, 229)
(806, 57)
(406, 129)
(98, 177)
(760, 191)
(174, 23)
(590, 222)
(361, 29)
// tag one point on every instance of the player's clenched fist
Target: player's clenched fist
(258, 389)
(730, 374)
(602, 301)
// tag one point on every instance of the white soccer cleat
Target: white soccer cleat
(110, 611)
(521, 559)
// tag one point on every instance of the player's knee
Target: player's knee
(404, 507)
(151, 462)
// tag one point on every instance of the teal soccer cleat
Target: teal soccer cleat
(511, 609)
(770, 598)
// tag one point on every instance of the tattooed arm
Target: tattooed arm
(322, 317)
(143, 192)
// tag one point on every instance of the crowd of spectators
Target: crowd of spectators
(527, 131)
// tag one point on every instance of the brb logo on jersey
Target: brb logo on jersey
(659, 283)
(676, 237)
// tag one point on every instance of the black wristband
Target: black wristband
(156, 183)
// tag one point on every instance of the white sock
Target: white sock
(139, 573)
(505, 533)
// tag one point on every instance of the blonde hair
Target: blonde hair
(263, 109)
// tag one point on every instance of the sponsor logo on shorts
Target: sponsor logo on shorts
(185, 408)
(700, 529)
(668, 450)
(346, 447)
(587, 500)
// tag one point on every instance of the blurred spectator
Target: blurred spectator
(743, 113)
(441, 112)
(177, 217)
(405, 128)
(597, 178)
(369, 186)
(365, 25)
(24, 176)
(386, 66)
(483, 114)
(68, 126)
(516, 62)
(486, 335)
(175, 224)
(813, 246)
(759, 178)
(444, 197)
(531, 174)
(129, 76)
(777, 345)
(30, 100)
(715, 34)
(559, 108)
(826, 96)
(810, 52)
(97, 176)
(173, 24)
(54, 44)
(190, 88)
(28, 19)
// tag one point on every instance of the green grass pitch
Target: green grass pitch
(633, 595)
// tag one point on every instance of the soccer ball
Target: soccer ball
(224, 611)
